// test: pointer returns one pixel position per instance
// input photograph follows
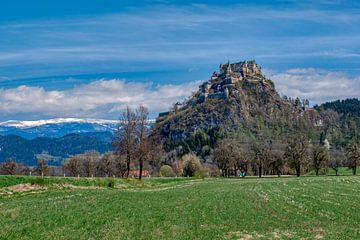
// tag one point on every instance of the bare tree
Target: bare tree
(107, 164)
(297, 152)
(143, 133)
(223, 155)
(228, 153)
(42, 167)
(353, 155)
(261, 155)
(120, 165)
(336, 159)
(74, 166)
(275, 161)
(9, 167)
(125, 141)
(242, 159)
(319, 157)
(90, 161)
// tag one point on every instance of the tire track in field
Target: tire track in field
(164, 188)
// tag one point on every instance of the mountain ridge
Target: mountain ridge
(36, 123)
(55, 128)
(26, 151)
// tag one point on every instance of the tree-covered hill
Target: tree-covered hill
(26, 151)
(350, 106)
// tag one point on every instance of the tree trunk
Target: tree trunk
(128, 167)
(336, 172)
(141, 168)
(354, 170)
(317, 172)
(298, 169)
(260, 171)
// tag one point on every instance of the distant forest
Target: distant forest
(349, 106)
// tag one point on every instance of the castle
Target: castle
(221, 84)
(224, 83)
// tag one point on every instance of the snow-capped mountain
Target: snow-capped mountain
(29, 124)
(58, 127)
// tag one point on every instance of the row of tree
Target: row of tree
(296, 157)
(229, 158)
(11, 167)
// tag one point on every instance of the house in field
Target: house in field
(136, 173)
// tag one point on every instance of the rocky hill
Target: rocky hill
(237, 100)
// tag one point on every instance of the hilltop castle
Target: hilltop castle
(221, 84)
(227, 81)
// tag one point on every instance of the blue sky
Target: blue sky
(85, 58)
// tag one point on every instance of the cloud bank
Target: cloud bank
(107, 98)
(317, 85)
(102, 98)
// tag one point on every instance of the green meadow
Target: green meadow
(180, 208)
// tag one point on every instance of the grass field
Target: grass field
(343, 171)
(252, 208)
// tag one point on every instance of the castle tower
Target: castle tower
(229, 71)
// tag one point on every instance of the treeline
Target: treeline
(230, 157)
(140, 150)
(26, 151)
(350, 106)
(298, 156)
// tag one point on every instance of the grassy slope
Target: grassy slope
(288, 208)
(6, 181)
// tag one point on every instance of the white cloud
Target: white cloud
(102, 98)
(107, 98)
(317, 85)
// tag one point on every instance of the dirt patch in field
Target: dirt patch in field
(276, 234)
(25, 187)
(243, 236)
(319, 233)
(163, 187)
(70, 186)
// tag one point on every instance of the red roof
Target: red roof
(136, 173)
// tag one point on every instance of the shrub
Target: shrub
(212, 170)
(200, 173)
(38, 181)
(178, 167)
(111, 183)
(166, 171)
(191, 164)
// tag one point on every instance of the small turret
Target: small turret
(228, 71)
